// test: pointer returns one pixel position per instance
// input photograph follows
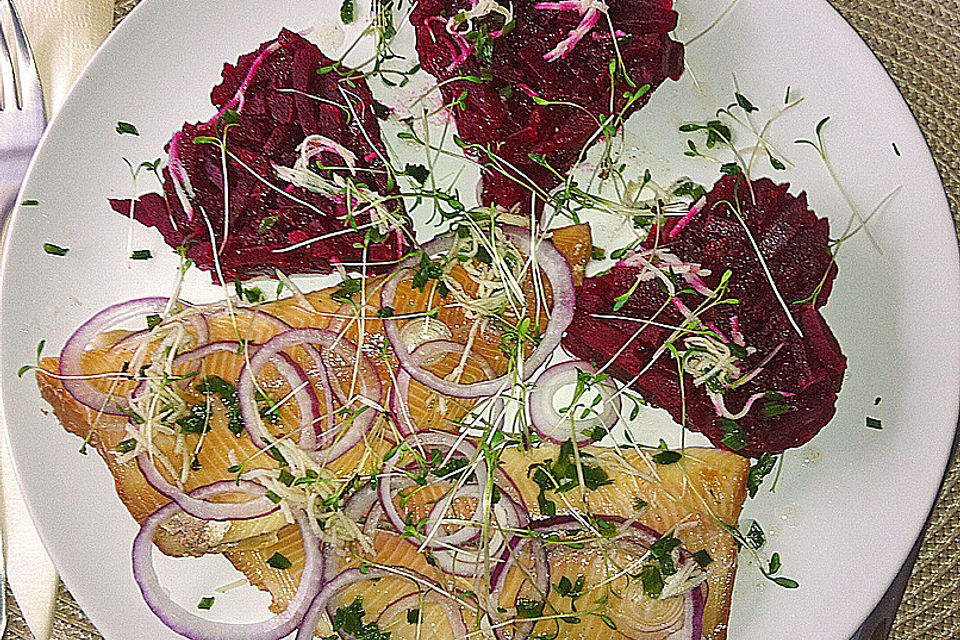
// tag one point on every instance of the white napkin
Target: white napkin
(63, 34)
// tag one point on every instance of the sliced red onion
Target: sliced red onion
(469, 563)
(369, 388)
(193, 355)
(71, 364)
(204, 509)
(193, 626)
(553, 426)
(423, 439)
(560, 277)
(400, 606)
(634, 532)
(307, 401)
(324, 602)
(399, 392)
(498, 580)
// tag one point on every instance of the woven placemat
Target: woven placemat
(918, 41)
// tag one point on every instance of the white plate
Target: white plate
(848, 506)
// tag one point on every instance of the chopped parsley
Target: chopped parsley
(348, 11)
(529, 608)
(346, 290)
(562, 475)
(426, 271)
(652, 581)
(758, 471)
(667, 457)
(126, 446)
(418, 172)
(127, 128)
(349, 619)
(279, 561)
(732, 434)
(205, 603)
(213, 384)
(54, 250)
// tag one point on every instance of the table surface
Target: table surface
(918, 41)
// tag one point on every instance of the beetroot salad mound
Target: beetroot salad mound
(305, 168)
(754, 381)
(549, 52)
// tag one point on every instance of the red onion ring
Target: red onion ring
(694, 600)
(468, 563)
(550, 424)
(196, 628)
(197, 507)
(203, 509)
(70, 356)
(430, 438)
(558, 273)
(193, 355)
(412, 600)
(324, 600)
(369, 383)
(399, 392)
(198, 321)
(498, 580)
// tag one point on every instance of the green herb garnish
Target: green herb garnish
(127, 128)
(279, 561)
(54, 250)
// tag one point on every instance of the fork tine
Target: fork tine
(28, 82)
(8, 85)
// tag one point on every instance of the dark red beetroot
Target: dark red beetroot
(500, 114)
(794, 245)
(275, 115)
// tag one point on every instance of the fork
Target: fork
(22, 116)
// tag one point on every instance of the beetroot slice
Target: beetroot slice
(501, 115)
(275, 115)
(794, 244)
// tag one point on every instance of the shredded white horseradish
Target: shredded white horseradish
(481, 9)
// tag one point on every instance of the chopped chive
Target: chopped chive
(205, 603)
(141, 254)
(30, 203)
(874, 423)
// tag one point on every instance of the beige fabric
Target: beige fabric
(918, 41)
